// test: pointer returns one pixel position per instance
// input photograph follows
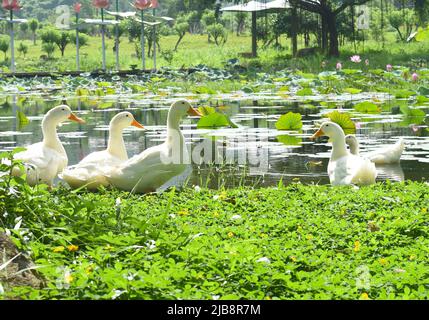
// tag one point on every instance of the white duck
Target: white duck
(90, 172)
(44, 160)
(345, 168)
(388, 155)
(152, 168)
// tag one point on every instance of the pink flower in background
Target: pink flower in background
(154, 4)
(11, 5)
(389, 67)
(414, 127)
(367, 62)
(415, 77)
(339, 66)
(355, 59)
(100, 4)
(77, 6)
(358, 125)
(142, 4)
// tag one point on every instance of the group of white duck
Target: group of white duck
(348, 167)
(148, 171)
(143, 173)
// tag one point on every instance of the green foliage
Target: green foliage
(289, 121)
(49, 48)
(343, 120)
(23, 49)
(4, 46)
(367, 107)
(218, 33)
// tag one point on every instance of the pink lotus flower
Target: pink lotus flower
(339, 66)
(389, 67)
(11, 5)
(355, 59)
(77, 6)
(142, 4)
(100, 4)
(415, 77)
(154, 4)
(358, 125)
(367, 62)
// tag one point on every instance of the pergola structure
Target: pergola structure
(254, 7)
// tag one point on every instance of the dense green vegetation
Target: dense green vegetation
(290, 242)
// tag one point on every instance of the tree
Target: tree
(328, 11)
(23, 49)
(181, 27)
(4, 46)
(49, 48)
(404, 20)
(24, 27)
(34, 25)
(218, 32)
(240, 19)
(63, 40)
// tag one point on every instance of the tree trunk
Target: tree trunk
(294, 31)
(324, 33)
(331, 20)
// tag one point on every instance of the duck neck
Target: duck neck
(174, 135)
(339, 148)
(116, 144)
(50, 136)
(354, 148)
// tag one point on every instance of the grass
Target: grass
(195, 50)
(290, 242)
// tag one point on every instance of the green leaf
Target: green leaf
(213, 120)
(367, 107)
(289, 140)
(424, 91)
(22, 119)
(402, 94)
(206, 110)
(422, 99)
(352, 90)
(247, 89)
(304, 92)
(289, 121)
(343, 120)
(82, 92)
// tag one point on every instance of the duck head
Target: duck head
(353, 143)
(329, 129)
(123, 120)
(60, 114)
(183, 108)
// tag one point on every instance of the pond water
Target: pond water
(274, 155)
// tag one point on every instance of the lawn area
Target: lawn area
(195, 50)
(288, 242)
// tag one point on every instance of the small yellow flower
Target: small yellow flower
(424, 210)
(230, 234)
(309, 237)
(293, 258)
(58, 249)
(72, 248)
(357, 246)
(223, 195)
(364, 296)
(381, 219)
(383, 261)
(268, 298)
(412, 257)
(108, 247)
(68, 278)
(263, 235)
(183, 212)
(89, 270)
(216, 215)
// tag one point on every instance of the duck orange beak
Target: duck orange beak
(75, 118)
(319, 133)
(136, 124)
(194, 112)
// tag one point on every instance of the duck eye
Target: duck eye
(63, 109)
(127, 116)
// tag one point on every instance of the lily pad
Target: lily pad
(213, 120)
(289, 121)
(304, 92)
(343, 120)
(367, 107)
(289, 140)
